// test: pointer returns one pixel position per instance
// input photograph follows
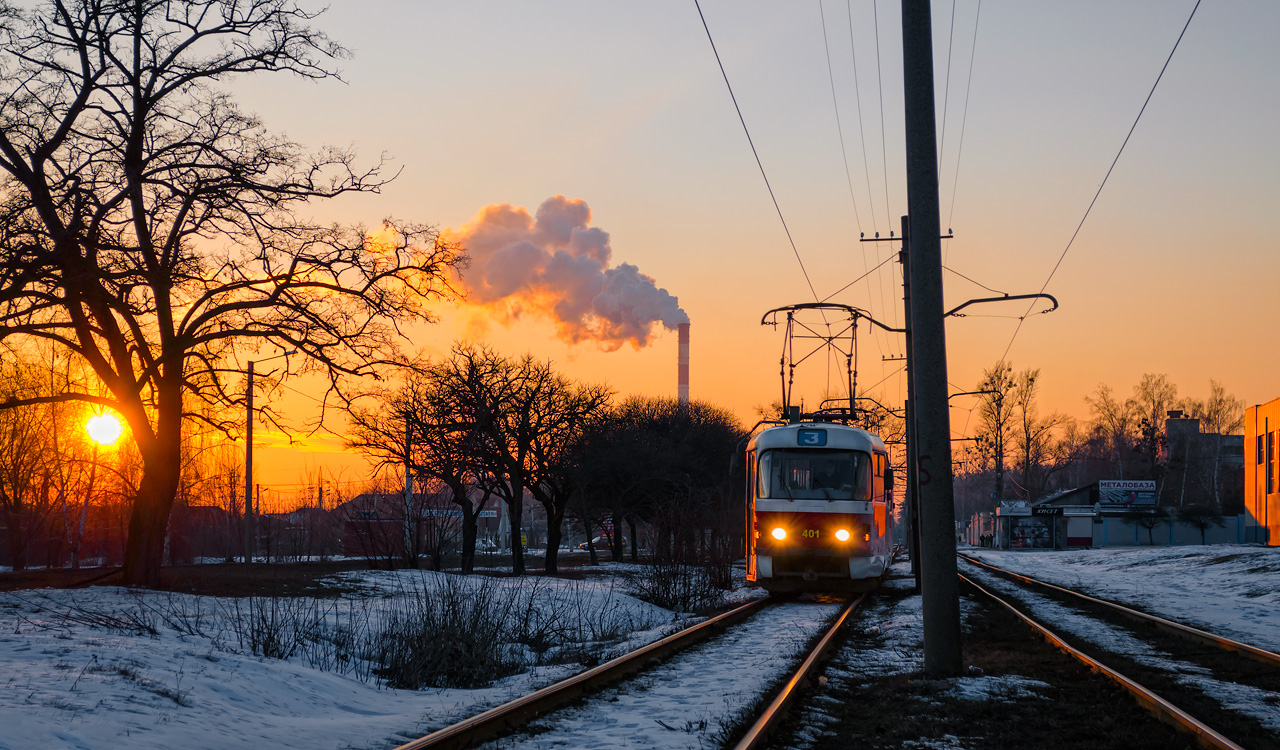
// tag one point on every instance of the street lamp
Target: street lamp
(248, 457)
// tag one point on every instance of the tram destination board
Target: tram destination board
(811, 438)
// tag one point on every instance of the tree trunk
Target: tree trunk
(17, 545)
(635, 548)
(515, 505)
(469, 532)
(149, 521)
(554, 535)
(615, 539)
(591, 547)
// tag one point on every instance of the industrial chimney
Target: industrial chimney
(683, 366)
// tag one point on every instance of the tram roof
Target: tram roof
(822, 434)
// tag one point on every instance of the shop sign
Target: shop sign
(1127, 492)
(1046, 511)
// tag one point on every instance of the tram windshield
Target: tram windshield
(814, 475)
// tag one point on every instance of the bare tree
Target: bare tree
(1150, 521)
(1202, 519)
(444, 445)
(1116, 421)
(1038, 451)
(148, 225)
(561, 414)
(1220, 414)
(26, 463)
(995, 420)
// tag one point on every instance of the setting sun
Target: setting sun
(105, 429)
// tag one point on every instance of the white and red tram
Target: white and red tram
(819, 511)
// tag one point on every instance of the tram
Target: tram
(819, 489)
(818, 511)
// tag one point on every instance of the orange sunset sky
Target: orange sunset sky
(621, 106)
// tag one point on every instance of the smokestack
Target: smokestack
(683, 366)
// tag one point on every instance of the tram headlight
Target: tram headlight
(842, 535)
(779, 533)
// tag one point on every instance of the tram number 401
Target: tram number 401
(809, 533)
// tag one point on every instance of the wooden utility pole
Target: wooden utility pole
(248, 467)
(939, 588)
(408, 493)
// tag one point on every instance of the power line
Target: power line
(966, 278)
(884, 150)
(755, 153)
(1107, 176)
(946, 92)
(866, 168)
(860, 278)
(862, 131)
(877, 384)
(955, 179)
(835, 104)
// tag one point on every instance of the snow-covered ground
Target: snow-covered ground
(1245, 699)
(1227, 589)
(693, 699)
(79, 669)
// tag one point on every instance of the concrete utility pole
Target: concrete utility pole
(939, 587)
(912, 477)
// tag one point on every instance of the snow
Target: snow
(70, 681)
(1232, 590)
(76, 673)
(694, 699)
(1062, 619)
(1227, 589)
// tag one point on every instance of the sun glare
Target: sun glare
(105, 429)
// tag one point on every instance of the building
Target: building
(1203, 469)
(1107, 513)
(1261, 488)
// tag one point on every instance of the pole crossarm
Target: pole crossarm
(1006, 298)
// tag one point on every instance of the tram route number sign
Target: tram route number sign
(811, 438)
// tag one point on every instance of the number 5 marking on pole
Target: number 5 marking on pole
(923, 473)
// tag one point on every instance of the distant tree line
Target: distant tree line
(1021, 452)
(490, 428)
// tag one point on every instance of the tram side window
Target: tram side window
(815, 475)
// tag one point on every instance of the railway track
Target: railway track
(1212, 687)
(523, 711)
(1186, 631)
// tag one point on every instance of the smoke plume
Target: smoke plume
(555, 264)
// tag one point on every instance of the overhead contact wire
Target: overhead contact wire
(955, 179)
(755, 153)
(844, 154)
(1107, 176)
(884, 149)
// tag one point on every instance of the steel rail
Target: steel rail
(1253, 652)
(522, 710)
(1161, 708)
(756, 735)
